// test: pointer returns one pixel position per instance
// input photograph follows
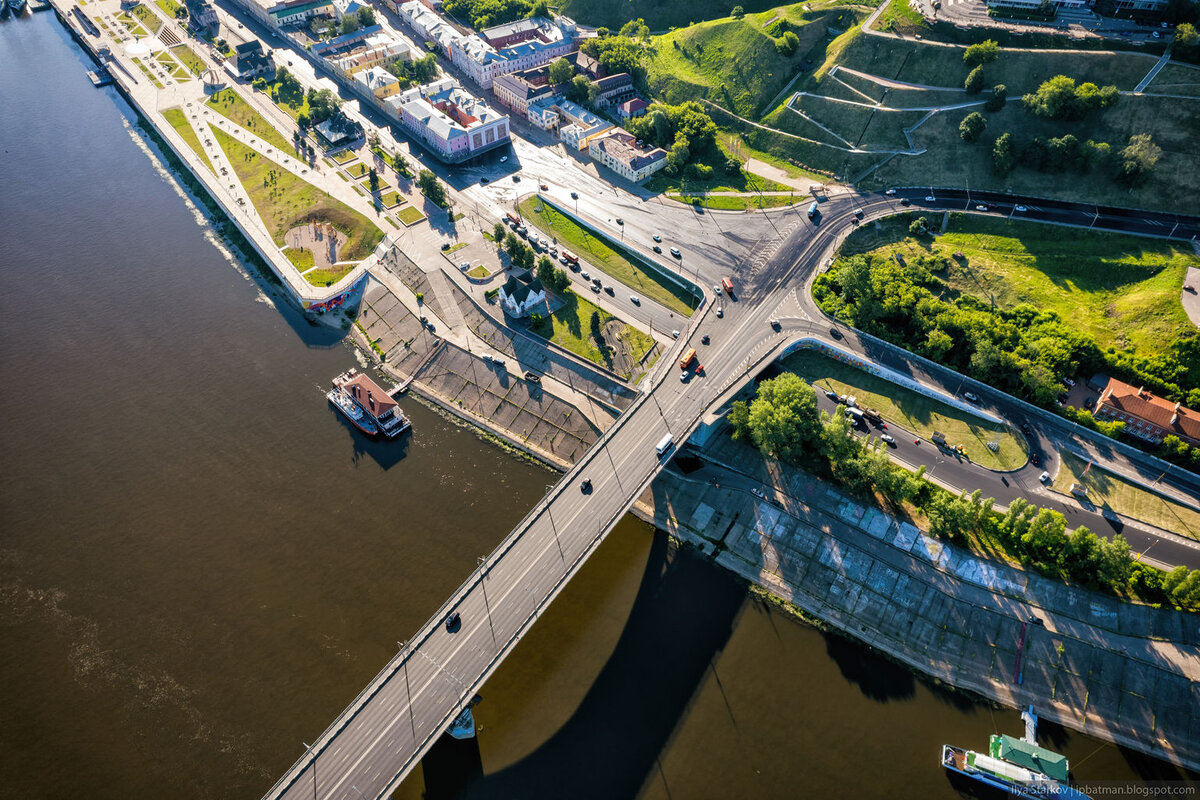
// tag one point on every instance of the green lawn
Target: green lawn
(570, 327)
(719, 182)
(899, 17)
(479, 271)
(659, 14)
(230, 104)
(727, 203)
(169, 7)
(327, 277)
(147, 17)
(913, 411)
(391, 199)
(454, 248)
(301, 258)
(1177, 79)
(734, 62)
(284, 201)
(345, 156)
(179, 122)
(149, 75)
(189, 59)
(1110, 491)
(586, 245)
(410, 215)
(132, 24)
(1122, 290)
(292, 105)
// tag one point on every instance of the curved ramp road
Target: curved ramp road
(374, 744)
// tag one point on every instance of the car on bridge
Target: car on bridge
(971, 397)
(675, 252)
(888, 439)
(453, 621)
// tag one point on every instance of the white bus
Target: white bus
(664, 445)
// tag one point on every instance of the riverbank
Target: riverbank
(147, 98)
(1118, 671)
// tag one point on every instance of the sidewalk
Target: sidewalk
(1115, 670)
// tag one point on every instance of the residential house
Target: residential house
(612, 90)
(429, 26)
(378, 81)
(519, 299)
(346, 8)
(296, 12)
(202, 17)
(577, 126)
(1146, 415)
(619, 151)
(517, 46)
(251, 62)
(517, 90)
(454, 124)
(632, 108)
(589, 66)
(339, 130)
(369, 50)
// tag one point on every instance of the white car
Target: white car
(930, 199)
(717, 288)
(633, 298)
(887, 439)
(1070, 383)
(1020, 208)
(720, 311)
(503, 159)
(675, 252)
(675, 334)
(657, 238)
(890, 192)
(757, 492)
(971, 397)
(464, 266)
(1044, 477)
(981, 207)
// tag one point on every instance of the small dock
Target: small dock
(99, 77)
(39, 5)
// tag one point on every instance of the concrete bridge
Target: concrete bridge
(382, 735)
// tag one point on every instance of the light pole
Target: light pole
(408, 690)
(554, 528)
(482, 561)
(614, 468)
(313, 758)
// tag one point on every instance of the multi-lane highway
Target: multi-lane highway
(376, 742)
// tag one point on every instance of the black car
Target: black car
(657, 249)
(483, 180)
(904, 201)
(1026, 428)
(1035, 459)
(704, 339)
(831, 395)
(533, 377)
(835, 333)
(453, 622)
(574, 195)
(516, 178)
(586, 486)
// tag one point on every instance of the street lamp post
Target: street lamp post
(554, 528)
(313, 758)
(408, 690)
(482, 561)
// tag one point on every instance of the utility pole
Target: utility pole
(482, 560)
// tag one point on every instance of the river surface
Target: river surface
(201, 564)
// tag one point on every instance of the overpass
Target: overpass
(381, 736)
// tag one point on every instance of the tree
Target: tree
(366, 16)
(373, 179)
(498, 232)
(998, 99)
(786, 45)
(400, 164)
(1003, 158)
(738, 12)
(598, 332)
(545, 270)
(1137, 160)
(680, 152)
(303, 121)
(578, 91)
(1186, 36)
(733, 166)
(432, 188)
(972, 126)
(983, 53)
(782, 420)
(349, 24)
(1060, 98)
(561, 71)
(918, 226)
(974, 82)
(322, 104)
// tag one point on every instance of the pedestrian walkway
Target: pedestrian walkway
(1115, 670)
(1158, 65)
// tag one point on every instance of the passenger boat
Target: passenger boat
(17, 6)
(1018, 767)
(375, 401)
(352, 411)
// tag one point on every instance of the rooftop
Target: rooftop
(1137, 402)
(622, 146)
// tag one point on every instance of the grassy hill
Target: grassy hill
(660, 15)
(734, 62)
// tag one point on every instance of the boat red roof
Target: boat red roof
(370, 395)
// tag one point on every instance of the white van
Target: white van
(664, 445)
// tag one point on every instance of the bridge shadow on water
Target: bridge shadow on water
(680, 620)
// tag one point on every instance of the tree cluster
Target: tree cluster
(520, 255)
(432, 188)
(617, 54)
(416, 72)
(486, 13)
(1022, 351)
(783, 422)
(684, 131)
(983, 53)
(1131, 166)
(1059, 98)
(553, 278)
(972, 126)
(322, 105)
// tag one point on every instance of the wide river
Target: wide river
(201, 564)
